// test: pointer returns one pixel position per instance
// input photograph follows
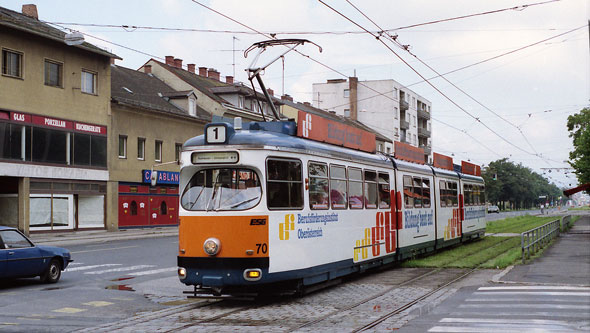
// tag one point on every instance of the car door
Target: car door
(22, 258)
(2, 260)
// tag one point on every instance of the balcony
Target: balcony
(404, 124)
(423, 132)
(403, 105)
(423, 114)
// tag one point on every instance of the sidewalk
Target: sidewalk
(566, 262)
(100, 236)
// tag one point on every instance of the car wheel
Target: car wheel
(53, 272)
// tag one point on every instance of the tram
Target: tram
(268, 207)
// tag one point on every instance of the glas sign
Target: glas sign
(216, 134)
(214, 157)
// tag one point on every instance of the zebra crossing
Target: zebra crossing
(520, 309)
(135, 270)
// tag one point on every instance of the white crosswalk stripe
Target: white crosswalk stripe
(519, 309)
(121, 269)
(85, 268)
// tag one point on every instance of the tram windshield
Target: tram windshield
(222, 189)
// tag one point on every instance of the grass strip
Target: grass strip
(517, 224)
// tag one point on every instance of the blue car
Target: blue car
(20, 258)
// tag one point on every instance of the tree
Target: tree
(579, 127)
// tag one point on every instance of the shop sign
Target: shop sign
(164, 177)
(52, 122)
(82, 127)
(57, 123)
(321, 129)
(20, 117)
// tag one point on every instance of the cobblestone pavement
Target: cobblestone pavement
(341, 308)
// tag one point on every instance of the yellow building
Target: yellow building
(54, 123)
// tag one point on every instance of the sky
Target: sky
(512, 101)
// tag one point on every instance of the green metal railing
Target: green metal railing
(539, 237)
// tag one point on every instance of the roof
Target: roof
(335, 117)
(143, 90)
(18, 21)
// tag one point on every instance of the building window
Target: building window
(88, 82)
(141, 149)
(395, 112)
(347, 113)
(177, 150)
(346, 93)
(53, 74)
(12, 63)
(158, 151)
(122, 146)
(192, 107)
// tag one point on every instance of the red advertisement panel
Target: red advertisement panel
(321, 129)
(406, 152)
(443, 161)
(470, 168)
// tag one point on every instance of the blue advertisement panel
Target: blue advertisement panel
(164, 177)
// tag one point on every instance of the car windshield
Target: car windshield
(222, 189)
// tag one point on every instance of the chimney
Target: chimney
(270, 92)
(352, 85)
(112, 61)
(191, 68)
(307, 103)
(170, 60)
(213, 74)
(178, 63)
(203, 71)
(229, 79)
(31, 11)
(147, 69)
(287, 97)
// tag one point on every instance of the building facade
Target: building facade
(384, 105)
(150, 122)
(54, 125)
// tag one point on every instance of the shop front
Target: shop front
(143, 205)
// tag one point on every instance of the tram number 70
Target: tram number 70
(261, 247)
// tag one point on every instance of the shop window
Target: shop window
(163, 208)
(88, 82)
(50, 146)
(318, 185)
(15, 142)
(133, 208)
(384, 195)
(370, 189)
(81, 149)
(98, 149)
(338, 188)
(355, 188)
(53, 73)
(284, 184)
(12, 63)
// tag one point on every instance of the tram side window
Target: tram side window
(318, 185)
(425, 193)
(384, 195)
(467, 195)
(418, 198)
(370, 189)
(482, 195)
(408, 192)
(284, 184)
(338, 195)
(355, 188)
(442, 193)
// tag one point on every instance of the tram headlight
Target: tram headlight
(212, 246)
(181, 273)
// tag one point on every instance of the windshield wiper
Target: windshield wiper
(239, 203)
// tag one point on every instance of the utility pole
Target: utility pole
(233, 52)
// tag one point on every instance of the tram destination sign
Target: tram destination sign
(321, 129)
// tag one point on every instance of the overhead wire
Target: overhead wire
(427, 81)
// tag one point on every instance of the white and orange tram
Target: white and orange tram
(262, 208)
